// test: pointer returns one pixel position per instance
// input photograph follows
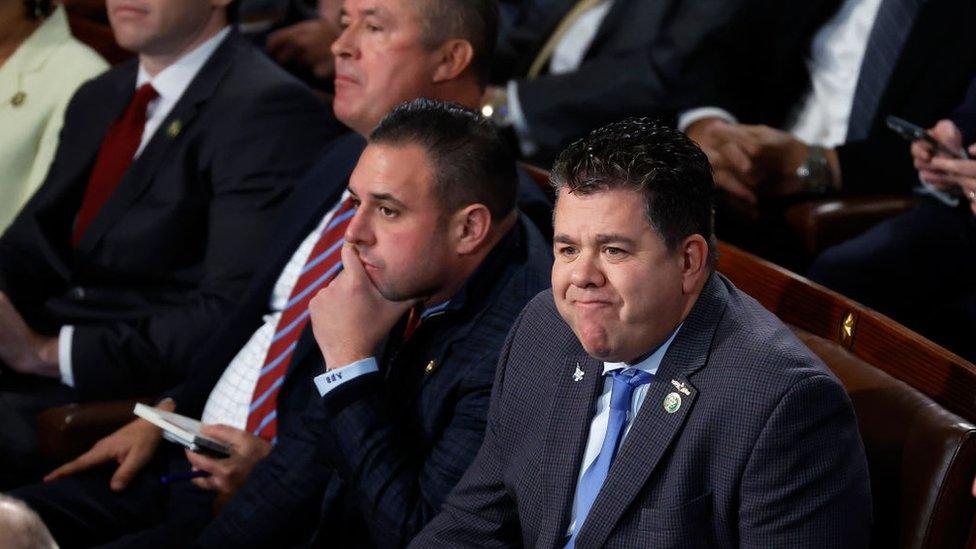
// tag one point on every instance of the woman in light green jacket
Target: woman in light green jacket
(41, 66)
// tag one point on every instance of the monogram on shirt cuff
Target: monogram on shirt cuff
(330, 380)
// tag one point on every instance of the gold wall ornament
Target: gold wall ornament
(847, 328)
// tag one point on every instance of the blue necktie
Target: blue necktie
(624, 383)
(888, 36)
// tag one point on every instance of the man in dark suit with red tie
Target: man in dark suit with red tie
(253, 383)
(169, 172)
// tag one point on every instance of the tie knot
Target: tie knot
(632, 376)
(144, 95)
(624, 383)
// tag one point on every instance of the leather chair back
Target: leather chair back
(920, 455)
(914, 402)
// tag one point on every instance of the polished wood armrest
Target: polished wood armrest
(67, 431)
(825, 223)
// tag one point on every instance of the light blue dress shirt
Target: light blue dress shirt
(601, 413)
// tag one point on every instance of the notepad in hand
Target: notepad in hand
(183, 431)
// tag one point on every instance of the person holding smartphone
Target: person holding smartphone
(920, 267)
(945, 172)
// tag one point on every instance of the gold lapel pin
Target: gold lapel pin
(672, 403)
(430, 367)
(18, 99)
(174, 129)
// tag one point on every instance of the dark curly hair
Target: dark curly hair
(659, 163)
(38, 9)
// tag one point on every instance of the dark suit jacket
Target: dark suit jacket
(761, 77)
(763, 451)
(312, 198)
(639, 49)
(176, 243)
(371, 463)
(965, 115)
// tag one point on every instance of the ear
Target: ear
(470, 228)
(453, 58)
(694, 263)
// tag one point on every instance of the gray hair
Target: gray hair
(21, 527)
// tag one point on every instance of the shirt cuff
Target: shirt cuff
(689, 117)
(64, 355)
(940, 195)
(334, 378)
(521, 125)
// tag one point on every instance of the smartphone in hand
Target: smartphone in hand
(913, 132)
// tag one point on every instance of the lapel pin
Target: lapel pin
(578, 374)
(430, 367)
(672, 403)
(174, 128)
(681, 387)
(18, 99)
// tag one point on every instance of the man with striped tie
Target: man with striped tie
(255, 375)
(411, 283)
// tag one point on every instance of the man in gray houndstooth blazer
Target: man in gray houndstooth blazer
(647, 402)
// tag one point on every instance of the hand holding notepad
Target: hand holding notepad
(182, 430)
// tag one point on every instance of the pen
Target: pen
(179, 477)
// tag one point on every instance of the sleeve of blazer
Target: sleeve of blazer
(479, 512)
(965, 115)
(397, 494)
(251, 175)
(285, 488)
(25, 272)
(753, 66)
(805, 481)
(631, 79)
(879, 164)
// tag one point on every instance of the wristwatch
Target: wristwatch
(814, 174)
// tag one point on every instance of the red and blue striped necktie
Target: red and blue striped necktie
(323, 264)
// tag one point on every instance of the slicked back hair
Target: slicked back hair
(472, 163)
(473, 20)
(659, 163)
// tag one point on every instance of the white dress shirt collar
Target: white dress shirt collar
(172, 81)
(649, 364)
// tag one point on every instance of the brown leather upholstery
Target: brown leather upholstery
(67, 431)
(946, 378)
(99, 37)
(540, 176)
(821, 224)
(93, 10)
(88, 20)
(922, 457)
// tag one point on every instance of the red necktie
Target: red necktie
(323, 264)
(114, 157)
(413, 322)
